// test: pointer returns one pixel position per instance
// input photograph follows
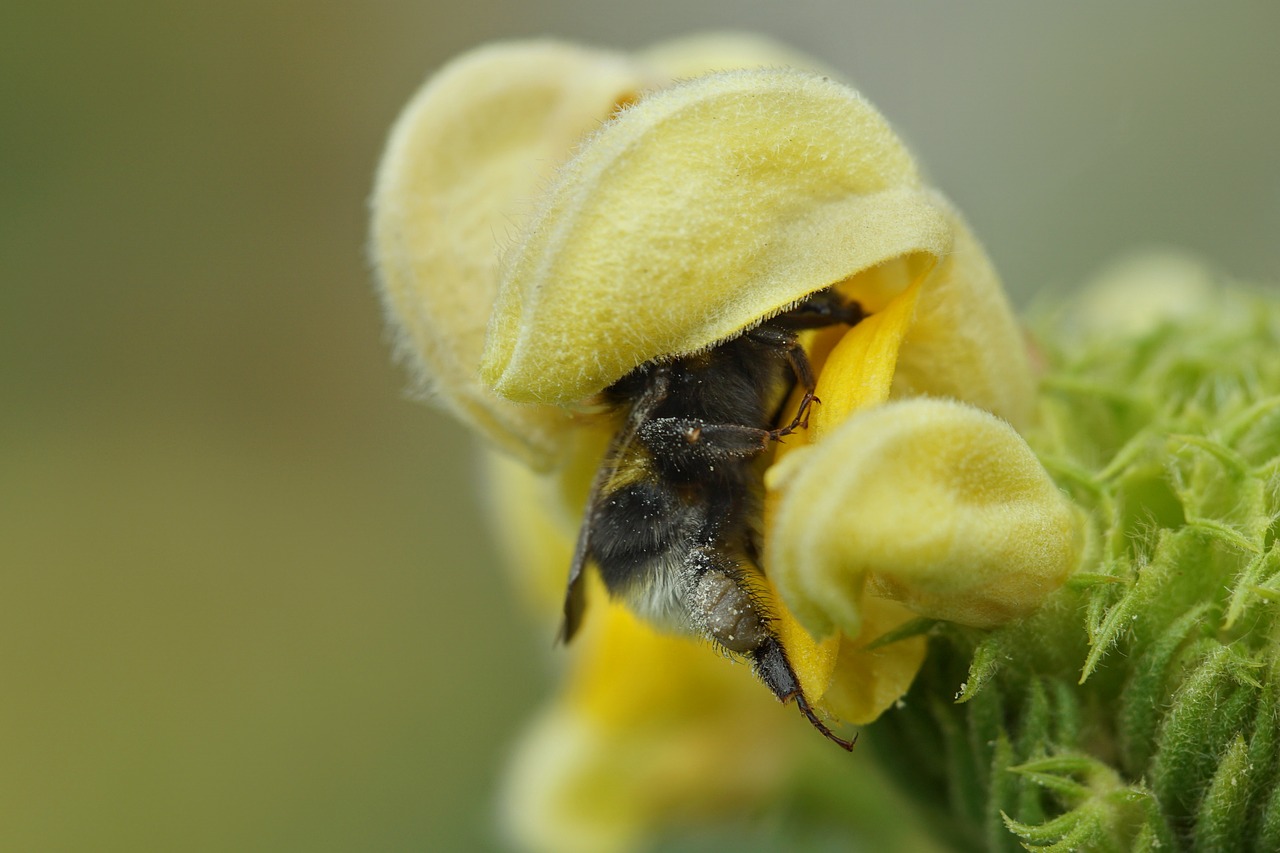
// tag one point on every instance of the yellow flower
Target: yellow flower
(652, 730)
(694, 212)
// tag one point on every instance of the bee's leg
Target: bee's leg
(785, 343)
(723, 607)
(821, 309)
(690, 443)
(772, 667)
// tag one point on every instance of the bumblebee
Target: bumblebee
(672, 521)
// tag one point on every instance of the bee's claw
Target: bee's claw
(803, 705)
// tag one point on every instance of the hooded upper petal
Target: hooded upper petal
(464, 160)
(697, 213)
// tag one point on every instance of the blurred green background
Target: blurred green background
(247, 601)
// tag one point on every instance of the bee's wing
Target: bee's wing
(575, 602)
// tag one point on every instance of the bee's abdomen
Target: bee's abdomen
(641, 529)
(727, 613)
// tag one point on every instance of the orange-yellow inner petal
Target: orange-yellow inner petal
(857, 372)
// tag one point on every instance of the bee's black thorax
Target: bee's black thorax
(737, 382)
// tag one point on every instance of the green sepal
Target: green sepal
(985, 665)
(1143, 701)
(907, 630)
(1223, 814)
(1208, 712)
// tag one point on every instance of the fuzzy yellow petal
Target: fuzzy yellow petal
(844, 678)
(693, 215)
(965, 341)
(464, 160)
(650, 731)
(934, 503)
(865, 682)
